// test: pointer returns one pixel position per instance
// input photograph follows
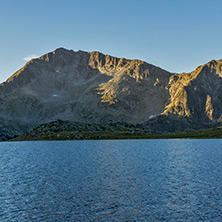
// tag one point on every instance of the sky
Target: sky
(176, 35)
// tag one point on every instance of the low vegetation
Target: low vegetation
(65, 130)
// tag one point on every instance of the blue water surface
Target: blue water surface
(111, 180)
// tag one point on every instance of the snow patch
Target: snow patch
(152, 116)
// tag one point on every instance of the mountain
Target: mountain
(91, 87)
(197, 94)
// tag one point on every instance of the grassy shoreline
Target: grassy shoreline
(215, 133)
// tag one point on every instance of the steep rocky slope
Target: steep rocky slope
(88, 87)
(198, 94)
(91, 87)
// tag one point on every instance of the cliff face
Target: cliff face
(92, 87)
(198, 94)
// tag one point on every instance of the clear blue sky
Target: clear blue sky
(177, 35)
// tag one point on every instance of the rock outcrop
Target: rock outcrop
(198, 94)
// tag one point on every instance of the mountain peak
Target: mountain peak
(62, 50)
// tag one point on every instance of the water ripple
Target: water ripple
(131, 180)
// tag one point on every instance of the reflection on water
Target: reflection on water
(131, 180)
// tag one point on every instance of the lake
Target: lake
(111, 180)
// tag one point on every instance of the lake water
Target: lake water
(113, 180)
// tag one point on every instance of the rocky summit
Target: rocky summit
(90, 87)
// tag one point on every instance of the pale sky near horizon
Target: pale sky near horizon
(176, 35)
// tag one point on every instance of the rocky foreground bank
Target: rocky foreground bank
(66, 130)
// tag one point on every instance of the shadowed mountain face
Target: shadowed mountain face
(92, 87)
(86, 87)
